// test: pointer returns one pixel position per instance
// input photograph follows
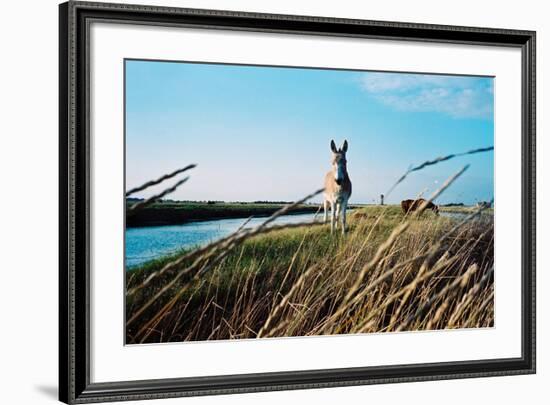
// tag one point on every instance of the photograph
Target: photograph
(287, 201)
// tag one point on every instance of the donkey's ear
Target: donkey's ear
(333, 147)
(345, 146)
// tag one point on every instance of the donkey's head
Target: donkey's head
(339, 161)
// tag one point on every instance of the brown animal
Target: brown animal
(409, 206)
(337, 187)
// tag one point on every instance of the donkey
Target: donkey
(337, 187)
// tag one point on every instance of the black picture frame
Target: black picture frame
(74, 196)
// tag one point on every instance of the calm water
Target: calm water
(455, 215)
(147, 243)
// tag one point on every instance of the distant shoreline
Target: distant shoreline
(466, 209)
(166, 213)
(178, 213)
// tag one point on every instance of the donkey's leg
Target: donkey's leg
(325, 205)
(332, 215)
(343, 214)
(338, 206)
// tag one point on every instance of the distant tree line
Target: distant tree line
(210, 202)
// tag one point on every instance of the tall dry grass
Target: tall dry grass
(388, 273)
(297, 282)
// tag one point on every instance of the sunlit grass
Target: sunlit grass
(296, 282)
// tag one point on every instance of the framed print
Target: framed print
(254, 202)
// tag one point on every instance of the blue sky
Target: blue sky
(263, 133)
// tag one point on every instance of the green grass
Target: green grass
(237, 296)
(174, 212)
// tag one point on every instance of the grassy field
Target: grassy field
(388, 273)
(171, 213)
